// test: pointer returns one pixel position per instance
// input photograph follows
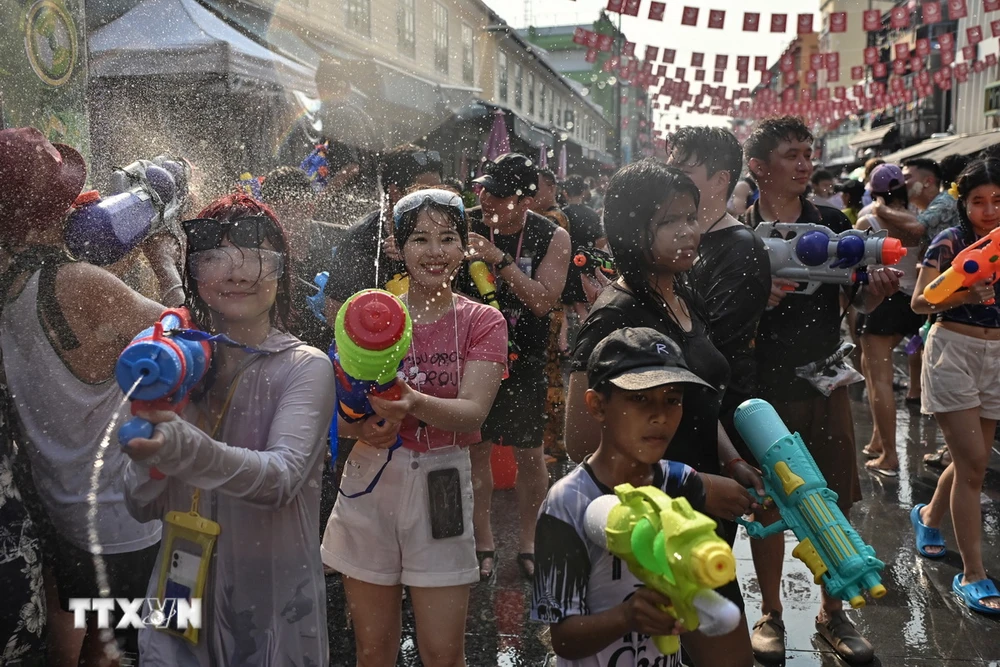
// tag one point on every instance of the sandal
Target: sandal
(936, 459)
(491, 574)
(885, 472)
(871, 453)
(926, 536)
(973, 592)
(522, 562)
(845, 639)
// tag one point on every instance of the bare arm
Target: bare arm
(901, 223)
(976, 294)
(583, 433)
(104, 314)
(466, 413)
(541, 294)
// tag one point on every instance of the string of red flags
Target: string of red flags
(805, 23)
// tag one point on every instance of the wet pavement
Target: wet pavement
(918, 623)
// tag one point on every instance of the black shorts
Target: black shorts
(128, 573)
(518, 415)
(893, 317)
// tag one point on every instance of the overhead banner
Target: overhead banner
(43, 69)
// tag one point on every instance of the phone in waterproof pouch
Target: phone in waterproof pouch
(444, 488)
(188, 543)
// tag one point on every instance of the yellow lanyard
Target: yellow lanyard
(196, 496)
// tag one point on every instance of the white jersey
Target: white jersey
(576, 577)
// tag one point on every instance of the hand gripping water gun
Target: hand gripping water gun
(813, 255)
(673, 550)
(485, 282)
(828, 545)
(979, 261)
(147, 197)
(163, 369)
(372, 335)
(588, 259)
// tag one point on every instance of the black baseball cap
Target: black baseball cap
(510, 174)
(639, 358)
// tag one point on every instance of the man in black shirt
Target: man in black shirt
(363, 259)
(289, 193)
(732, 272)
(529, 255)
(798, 330)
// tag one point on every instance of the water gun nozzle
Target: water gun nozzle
(892, 251)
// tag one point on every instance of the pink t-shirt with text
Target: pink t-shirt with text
(482, 336)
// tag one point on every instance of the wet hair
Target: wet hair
(408, 221)
(819, 176)
(924, 164)
(232, 207)
(979, 172)
(286, 185)
(990, 153)
(870, 167)
(398, 167)
(633, 199)
(897, 196)
(575, 186)
(772, 131)
(548, 175)
(716, 148)
(951, 167)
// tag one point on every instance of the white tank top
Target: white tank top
(908, 265)
(63, 420)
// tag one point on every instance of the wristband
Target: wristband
(728, 467)
(504, 263)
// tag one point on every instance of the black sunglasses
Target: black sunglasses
(250, 232)
(424, 158)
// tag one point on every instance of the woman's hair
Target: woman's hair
(979, 172)
(232, 207)
(633, 198)
(899, 196)
(408, 221)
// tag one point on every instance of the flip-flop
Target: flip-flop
(973, 592)
(870, 453)
(885, 472)
(925, 535)
(490, 577)
(936, 459)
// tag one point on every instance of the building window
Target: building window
(541, 101)
(359, 16)
(552, 107)
(502, 77)
(531, 94)
(468, 55)
(406, 27)
(518, 88)
(440, 38)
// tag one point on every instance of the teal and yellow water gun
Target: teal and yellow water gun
(673, 550)
(828, 545)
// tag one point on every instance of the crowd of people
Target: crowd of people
(635, 375)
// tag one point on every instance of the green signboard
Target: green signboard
(993, 99)
(43, 69)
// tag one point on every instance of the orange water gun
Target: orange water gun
(980, 261)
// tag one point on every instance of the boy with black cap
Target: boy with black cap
(597, 611)
(529, 255)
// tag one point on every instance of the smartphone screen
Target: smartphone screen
(445, 491)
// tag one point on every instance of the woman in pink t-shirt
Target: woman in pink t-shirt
(415, 526)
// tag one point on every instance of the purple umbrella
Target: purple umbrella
(561, 175)
(543, 158)
(498, 143)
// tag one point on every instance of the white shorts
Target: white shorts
(384, 537)
(959, 373)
